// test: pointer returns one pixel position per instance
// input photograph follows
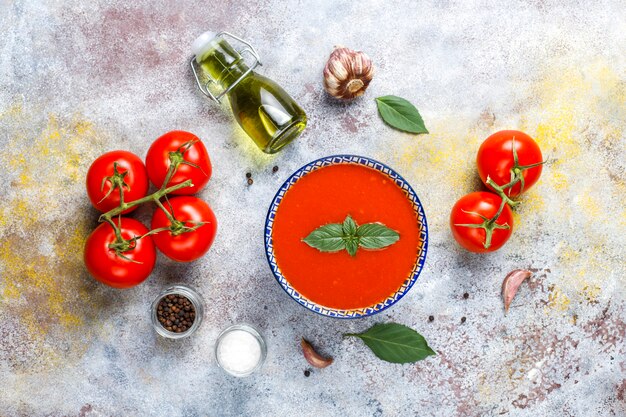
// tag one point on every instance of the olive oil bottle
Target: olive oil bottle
(261, 107)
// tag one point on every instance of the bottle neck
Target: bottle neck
(223, 63)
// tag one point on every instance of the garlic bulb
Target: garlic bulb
(347, 73)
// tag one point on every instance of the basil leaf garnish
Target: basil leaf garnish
(350, 236)
(349, 226)
(400, 114)
(328, 238)
(352, 245)
(376, 236)
(396, 343)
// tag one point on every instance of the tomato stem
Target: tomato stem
(517, 175)
(500, 191)
(121, 245)
(167, 213)
(118, 233)
(154, 232)
(152, 197)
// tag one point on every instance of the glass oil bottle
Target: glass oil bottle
(261, 107)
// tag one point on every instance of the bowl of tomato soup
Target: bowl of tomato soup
(336, 284)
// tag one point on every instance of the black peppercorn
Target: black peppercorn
(176, 313)
(248, 175)
(275, 169)
(463, 319)
(431, 318)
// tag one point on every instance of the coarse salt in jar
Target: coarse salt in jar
(240, 350)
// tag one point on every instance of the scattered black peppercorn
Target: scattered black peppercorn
(248, 175)
(250, 181)
(176, 313)
(466, 296)
(307, 373)
(463, 319)
(431, 318)
(275, 169)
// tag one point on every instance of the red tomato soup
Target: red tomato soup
(337, 280)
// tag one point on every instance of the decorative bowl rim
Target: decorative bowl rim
(398, 180)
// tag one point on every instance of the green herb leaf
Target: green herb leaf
(400, 114)
(334, 237)
(376, 236)
(328, 238)
(349, 226)
(352, 244)
(396, 343)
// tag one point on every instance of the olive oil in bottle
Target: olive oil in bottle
(261, 107)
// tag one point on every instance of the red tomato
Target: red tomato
(158, 161)
(135, 178)
(495, 159)
(186, 246)
(107, 267)
(486, 204)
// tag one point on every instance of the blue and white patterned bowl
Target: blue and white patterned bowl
(419, 213)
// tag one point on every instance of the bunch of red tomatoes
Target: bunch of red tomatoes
(509, 163)
(121, 252)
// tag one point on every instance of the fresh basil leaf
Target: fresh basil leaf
(349, 226)
(376, 236)
(400, 114)
(396, 343)
(348, 235)
(328, 238)
(352, 244)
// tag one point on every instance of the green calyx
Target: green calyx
(121, 245)
(117, 182)
(177, 158)
(180, 227)
(488, 225)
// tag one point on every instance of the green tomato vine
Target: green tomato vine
(489, 225)
(177, 227)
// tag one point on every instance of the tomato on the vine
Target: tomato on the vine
(496, 160)
(185, 149)
(183, 244)
(466, 221)
(105, 265)
(113, 170)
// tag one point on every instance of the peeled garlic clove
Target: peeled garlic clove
(347, 73)
(313, 357)
(510, 285)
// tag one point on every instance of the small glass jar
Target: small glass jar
(195, 300)
(226, 336)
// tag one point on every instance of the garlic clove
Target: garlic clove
(347, 73)
(510, 285)
(312, 357)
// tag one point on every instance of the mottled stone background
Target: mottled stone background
(80, 79)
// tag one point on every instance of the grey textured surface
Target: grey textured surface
(81, 79)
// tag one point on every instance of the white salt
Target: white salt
(238, 352)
